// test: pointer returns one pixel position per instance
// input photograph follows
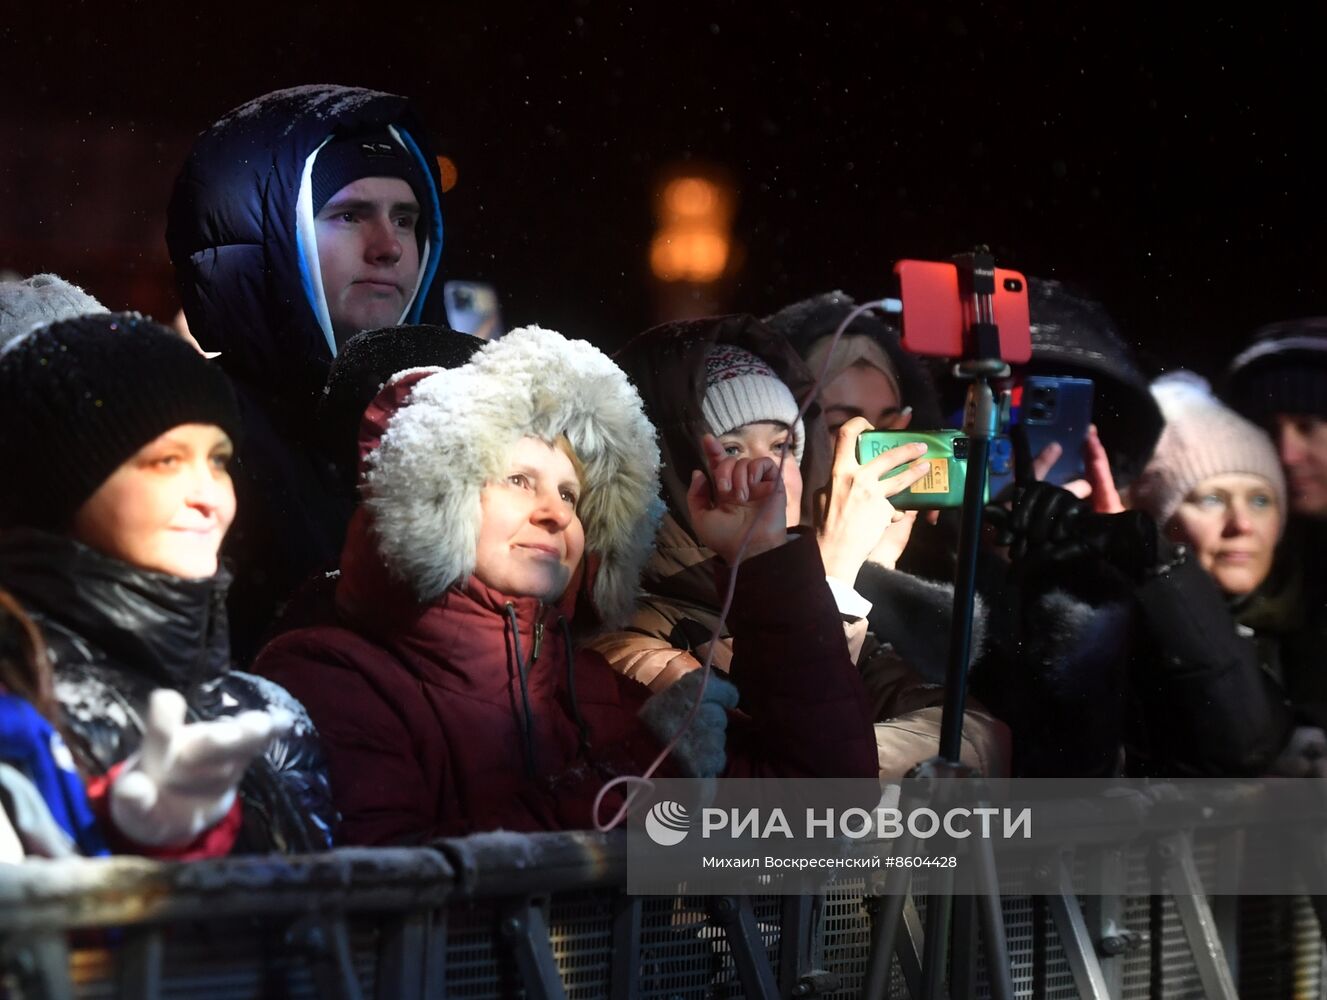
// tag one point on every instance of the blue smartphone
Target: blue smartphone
(1051, 408)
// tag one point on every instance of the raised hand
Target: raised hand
(185, 775)
(857, 521)
(748, 495)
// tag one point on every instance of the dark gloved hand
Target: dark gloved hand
(1048, 524)
(1041, 523)
(1129, 541)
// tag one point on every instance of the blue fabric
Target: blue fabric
(435, 249)
(32, 746)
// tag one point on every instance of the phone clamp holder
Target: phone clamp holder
(981, 423)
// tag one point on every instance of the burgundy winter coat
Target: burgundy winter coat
(428, 732)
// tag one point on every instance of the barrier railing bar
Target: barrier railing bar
(139, 965)
(404, 950)
(1184, 885)
(40, 963)
(333, 962)
(1079, 949)
(736, 917)
(525, 929)
(1106, 868)
(627, 919)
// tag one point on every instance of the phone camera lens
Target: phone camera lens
(1013, 285)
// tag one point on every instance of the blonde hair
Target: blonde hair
(852, 350)
(563, 444)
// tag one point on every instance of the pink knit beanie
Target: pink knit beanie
(1202, 438)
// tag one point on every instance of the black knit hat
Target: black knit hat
(374, 153)
(1284, 370)
(80, 397)
(364, 365)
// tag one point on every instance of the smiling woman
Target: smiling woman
(168, 506)
(111, 519)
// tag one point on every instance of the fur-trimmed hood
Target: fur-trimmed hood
(433, 438)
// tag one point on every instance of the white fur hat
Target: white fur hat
(455, 430)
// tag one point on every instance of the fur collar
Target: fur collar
(439, 436)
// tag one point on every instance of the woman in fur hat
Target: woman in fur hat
(116, 499)
(509, 506)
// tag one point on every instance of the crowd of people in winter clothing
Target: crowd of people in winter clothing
(327, 572)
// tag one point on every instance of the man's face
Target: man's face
(1301, 442)
(368, 254)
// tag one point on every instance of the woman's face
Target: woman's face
(167, 507)
(768, 439)
(860, 390)
(1232, 522)
(530, 538)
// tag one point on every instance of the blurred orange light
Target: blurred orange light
(447, 173)
(693, 241)
(699, 255)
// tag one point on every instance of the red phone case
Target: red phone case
(935, 315)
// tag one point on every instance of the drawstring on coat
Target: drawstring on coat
(522, 672)
(581, 727)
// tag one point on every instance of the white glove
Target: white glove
(185, 775)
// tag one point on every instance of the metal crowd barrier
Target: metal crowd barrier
(545, 916)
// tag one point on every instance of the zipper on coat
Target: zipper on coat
(538, 639)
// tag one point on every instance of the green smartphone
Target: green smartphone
(944, 482)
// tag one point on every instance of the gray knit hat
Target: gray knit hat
(741, 389)
(34, 302)
(1202, 438)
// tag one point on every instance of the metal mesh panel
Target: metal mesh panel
(473, 967)
(684, 954)
(1281, 949)
(223, 961)
(581, 928)
(844, 943)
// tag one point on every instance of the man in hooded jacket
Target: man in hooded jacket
(298, 219)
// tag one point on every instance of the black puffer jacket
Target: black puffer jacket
(116, 633)
(242, 274)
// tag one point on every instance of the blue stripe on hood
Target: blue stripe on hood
(435, 247)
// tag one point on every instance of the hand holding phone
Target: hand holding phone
(944, 480)
(857, 513)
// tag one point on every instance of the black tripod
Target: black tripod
(938, 775)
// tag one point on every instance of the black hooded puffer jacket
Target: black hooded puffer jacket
(116, 633)
(233, 234)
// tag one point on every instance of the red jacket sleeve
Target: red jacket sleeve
(806, 709)
(216, 841)
(378, 783)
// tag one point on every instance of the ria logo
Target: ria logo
(667, 823)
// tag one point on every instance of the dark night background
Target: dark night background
(1168, 162)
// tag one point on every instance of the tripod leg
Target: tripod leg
(884, 931)
(963, 960)
(995, 942)
(935, 963)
